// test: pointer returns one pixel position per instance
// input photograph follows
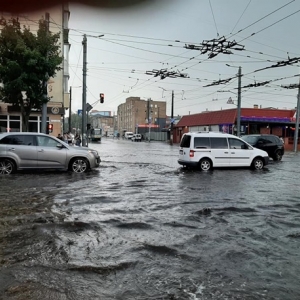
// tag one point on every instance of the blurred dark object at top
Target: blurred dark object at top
(33, 5)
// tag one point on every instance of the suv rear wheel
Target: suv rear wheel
(7, 166)
(205, 164)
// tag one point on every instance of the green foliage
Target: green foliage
(27, 61)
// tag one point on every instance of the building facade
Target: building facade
(137, 115)
(280, 122)
(10, 116)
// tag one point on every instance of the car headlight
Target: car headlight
(94, 152)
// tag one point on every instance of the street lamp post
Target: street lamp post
(238, 121)
(149, 119)
(297, 121)
(172, 115)
(238, 118)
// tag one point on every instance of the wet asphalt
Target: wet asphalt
(142, 227)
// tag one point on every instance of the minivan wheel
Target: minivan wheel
(277, 155)
(258, 163)
(205, 164)
(7, 167)
(79, 165)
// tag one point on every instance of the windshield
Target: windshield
(97, 131)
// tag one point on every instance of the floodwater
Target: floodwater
(142, 227)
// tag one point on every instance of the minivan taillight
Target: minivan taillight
(192, 153)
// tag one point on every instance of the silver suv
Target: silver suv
(29, 150)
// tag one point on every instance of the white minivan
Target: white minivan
(206, 150)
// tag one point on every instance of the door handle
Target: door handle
(42, 150)
(12, 149)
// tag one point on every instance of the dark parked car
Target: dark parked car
(270, 143)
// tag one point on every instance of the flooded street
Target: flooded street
(142, 227)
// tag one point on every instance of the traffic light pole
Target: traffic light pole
(83, 131)
(70, 110)
(45, 83)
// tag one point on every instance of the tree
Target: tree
(27, 61)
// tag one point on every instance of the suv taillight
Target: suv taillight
(192, 153)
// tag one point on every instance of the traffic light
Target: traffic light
(101, 98)
(50, 128)
(88, 126)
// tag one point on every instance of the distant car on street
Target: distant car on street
(270, 143)
(136, 137)
(30, 150)
(128, 135)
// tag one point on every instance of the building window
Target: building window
(14, 123)
(3, 124)
(10, 123)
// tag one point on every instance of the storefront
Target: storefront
(280, 122)
(10, 119)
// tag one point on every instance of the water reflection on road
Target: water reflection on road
(142, 227)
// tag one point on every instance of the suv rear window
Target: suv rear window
(28, 140)
(185, 141)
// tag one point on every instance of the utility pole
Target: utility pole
(238, 121)
(296, 134)
(149, 119)
(83, 131)
(45, 84)
(70, 110)
(172, 121)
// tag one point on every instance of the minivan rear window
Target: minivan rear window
(185, 141)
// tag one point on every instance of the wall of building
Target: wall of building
(135, 113)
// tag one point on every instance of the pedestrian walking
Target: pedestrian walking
(60, 137)
(77, 139)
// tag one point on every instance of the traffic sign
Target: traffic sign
(79, 112)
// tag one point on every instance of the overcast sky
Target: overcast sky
(154, 37)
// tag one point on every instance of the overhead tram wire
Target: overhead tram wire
(271, 25)
(241, 15)
(231, 35)
(214, 18)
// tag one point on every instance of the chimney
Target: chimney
(255, 106)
